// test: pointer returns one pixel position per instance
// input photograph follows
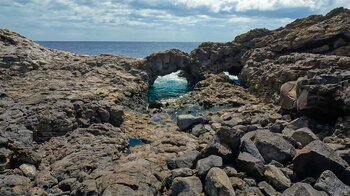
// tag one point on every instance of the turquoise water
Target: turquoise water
(167, 87)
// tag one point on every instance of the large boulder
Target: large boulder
(317, 157)
(191, 186)
(218, 184)
(288, 95)
(225, 143)
(302, 189)
(273, 146)
(184, 159)
(252, 166)
(204, 165)
(186, 121)
(329, 183)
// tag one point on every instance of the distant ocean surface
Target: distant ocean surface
(131, 49)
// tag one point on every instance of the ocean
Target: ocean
(131, 49)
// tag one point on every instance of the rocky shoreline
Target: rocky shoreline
(66, 120)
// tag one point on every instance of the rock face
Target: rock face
(67, 121)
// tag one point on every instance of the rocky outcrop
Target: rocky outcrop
(68, 122)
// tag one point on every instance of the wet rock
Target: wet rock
(217, 183)
(302, 189)
(184, 160)
(277, 178)
(204, 165)
(187, 186)
(326, 159)
(251, 165)
(273, 147)
(185, 122)
(329, 183)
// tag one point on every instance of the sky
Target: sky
(152, 20)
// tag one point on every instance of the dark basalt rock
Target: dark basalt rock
(325, 157)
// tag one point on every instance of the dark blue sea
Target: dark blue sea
(131, 49)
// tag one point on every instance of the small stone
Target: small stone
(181, 172)
(267, 189)
(28, 170)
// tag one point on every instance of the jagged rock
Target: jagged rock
(302, 189)
(329, 183)
(204, 165)
(267, 189)
(304, 136)
(185, 122)
(45, 180)
(249, 147)
(251, 165)
(181, 172)
(187, 186)
(184, 160)
(276, 177)
(326, 159)
(217, 183)
(273, 147)
(14, 185)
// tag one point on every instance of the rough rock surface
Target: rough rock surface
(68, 121)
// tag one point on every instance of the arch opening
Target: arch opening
(169, 86)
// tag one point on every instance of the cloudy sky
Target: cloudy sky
(152, 20)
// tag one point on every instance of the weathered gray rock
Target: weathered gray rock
(267, 189)
(249, 147)
(302, 189)
(251, 165)
(204, 165)
(329, 183)
(277, 178)
(326, 159)
(183, 186)
(184, 160)
(28, 170)
(273, 147)
(218, 184)
(304, 136)
(185, 122)
(181, 172)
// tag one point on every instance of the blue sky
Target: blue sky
(152, 20)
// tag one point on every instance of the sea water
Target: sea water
(168, 87)
(131, 49)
